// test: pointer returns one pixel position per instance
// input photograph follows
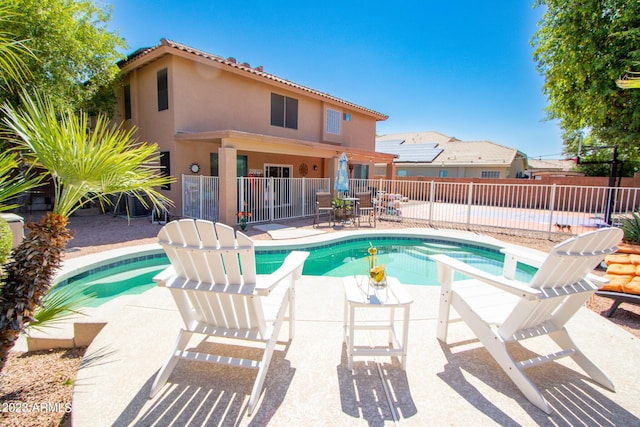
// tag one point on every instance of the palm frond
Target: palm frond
(60, 303)
(630, 81)
(13, 181)
(12, 51)
(631, 228)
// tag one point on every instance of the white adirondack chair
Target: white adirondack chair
(499, 309)
(213, 281)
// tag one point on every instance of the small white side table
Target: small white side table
(358, 294)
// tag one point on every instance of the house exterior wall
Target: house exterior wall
(407, 170)
(476, 171)
(153, 125)
(207, 96)
(517, 168)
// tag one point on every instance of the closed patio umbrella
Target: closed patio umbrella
(342, 175)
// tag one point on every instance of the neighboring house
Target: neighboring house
(214, 116)
(432, 154)
(552, 167)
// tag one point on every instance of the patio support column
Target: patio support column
(391, 171)
(331, 166)
(228, 197)
(371, 166)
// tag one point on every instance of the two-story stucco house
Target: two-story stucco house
(217, 117)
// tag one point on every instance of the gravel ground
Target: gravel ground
(36, 387)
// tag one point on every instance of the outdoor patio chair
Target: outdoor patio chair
(501, 310)
(618, 298)
(213, 281)
(324, 206)
(366, 207)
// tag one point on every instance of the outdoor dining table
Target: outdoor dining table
(351, 209)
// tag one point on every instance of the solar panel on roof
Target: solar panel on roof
(421, 153)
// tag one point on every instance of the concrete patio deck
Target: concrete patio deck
(308, 382)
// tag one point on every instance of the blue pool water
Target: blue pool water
(112, 281)
(406, 259)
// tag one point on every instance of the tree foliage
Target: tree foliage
(596, 157)
(13, 70)
(582, 48)
(74, 55)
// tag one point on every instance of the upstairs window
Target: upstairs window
(127, 102)
(333, 121)
(284, 111)
(163, 90)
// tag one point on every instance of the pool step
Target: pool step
(78, 331)
(75, 334)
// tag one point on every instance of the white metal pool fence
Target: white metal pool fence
(470, 206)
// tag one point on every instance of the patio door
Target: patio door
(242, 165)
(281, 191)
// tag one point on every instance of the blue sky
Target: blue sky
(462, 68)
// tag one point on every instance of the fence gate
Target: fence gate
(274, 199)
(200, 197)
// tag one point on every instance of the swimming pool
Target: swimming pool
(405, 257)
(123, 278)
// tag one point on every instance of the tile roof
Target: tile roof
(258, 71)
(430, 147)
(418, 137)
(552, 164)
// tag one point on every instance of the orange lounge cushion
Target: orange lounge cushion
(616, 282)
(628, 249)
(633, 287)
(622, 269)
(617, 259)
(623, 272)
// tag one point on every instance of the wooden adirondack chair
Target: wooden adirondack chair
(213, 281)
(499, 309)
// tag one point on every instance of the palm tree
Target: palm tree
(85, 165)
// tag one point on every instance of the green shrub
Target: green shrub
(631, 228)
(6, 241)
